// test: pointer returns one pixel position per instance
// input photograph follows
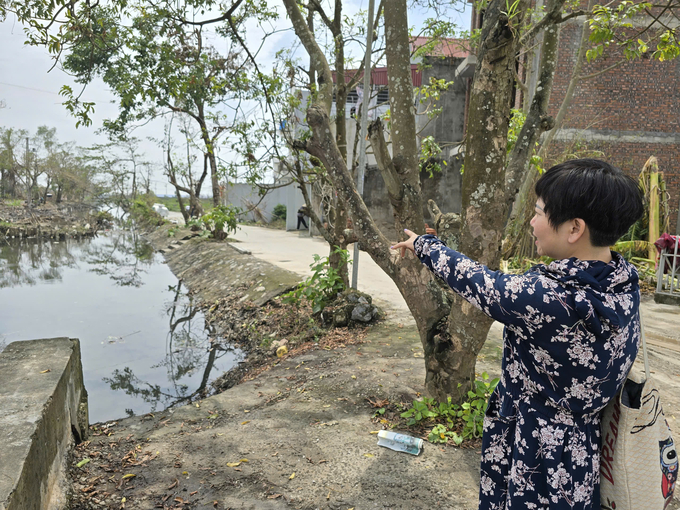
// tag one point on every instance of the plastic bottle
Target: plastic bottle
(400, 442)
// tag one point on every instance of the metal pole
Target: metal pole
(364, 129)
(28, 179)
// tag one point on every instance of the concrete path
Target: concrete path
(294, 250)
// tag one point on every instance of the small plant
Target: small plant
(279, 212)
(440, 434)
(467, 418)
(324, 284)
(221, 221)
(15, 202)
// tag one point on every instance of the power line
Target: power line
(43, 91)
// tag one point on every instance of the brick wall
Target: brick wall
(639, 99)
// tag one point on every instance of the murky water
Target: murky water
(144, 344)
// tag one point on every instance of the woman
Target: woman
(571, 335)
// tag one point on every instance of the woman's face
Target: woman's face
(549, 242)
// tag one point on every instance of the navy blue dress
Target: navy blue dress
(571, 334)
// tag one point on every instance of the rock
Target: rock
(363, 313)
(354, 296)
(340, 317)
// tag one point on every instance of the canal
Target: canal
(145, 345)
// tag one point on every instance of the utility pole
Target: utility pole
(364, 128)
(28, 177)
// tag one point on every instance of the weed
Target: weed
(455, 422)
(221, 220)
(322, 287)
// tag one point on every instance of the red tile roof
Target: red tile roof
(459, 48)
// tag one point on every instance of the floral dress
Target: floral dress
(571, 334)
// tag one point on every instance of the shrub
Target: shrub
(221, 220)
(323, 286)
(142, 212)
(279, 212)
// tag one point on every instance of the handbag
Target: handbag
(638, 459)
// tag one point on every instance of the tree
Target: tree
(158, 66)
(10, 166)
(182, 177)
(121, 164)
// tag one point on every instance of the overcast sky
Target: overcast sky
(30, 94)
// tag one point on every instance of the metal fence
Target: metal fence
(668, 276)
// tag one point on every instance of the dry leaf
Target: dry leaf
(174, 484)
(233, 464)
(243, 460)
(244, 422)
(129, 475)
(45, 371)
(291, 476)
(274, 496)
(374, 431)
(368, 455)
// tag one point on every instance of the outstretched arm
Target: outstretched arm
(503, 297)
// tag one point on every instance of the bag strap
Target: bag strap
(644, 349)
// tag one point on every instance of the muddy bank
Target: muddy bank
(299, 434)
(47, 221)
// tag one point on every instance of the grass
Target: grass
(173, 205)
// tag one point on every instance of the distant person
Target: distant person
(302, 212)
(572, 330)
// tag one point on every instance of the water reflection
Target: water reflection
(144, 342)
(124, 257)
(192, 350)
(28, 261)
(121, 255)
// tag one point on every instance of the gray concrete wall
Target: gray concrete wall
(43, 404)
(237, 195)
(290, 196)
(448, 130)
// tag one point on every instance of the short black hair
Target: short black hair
(600, 194)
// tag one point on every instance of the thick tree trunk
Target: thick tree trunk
(452, 331)
(484, 206)
(519, 242)
(427, 299)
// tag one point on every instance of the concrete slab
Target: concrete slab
(43, 404)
